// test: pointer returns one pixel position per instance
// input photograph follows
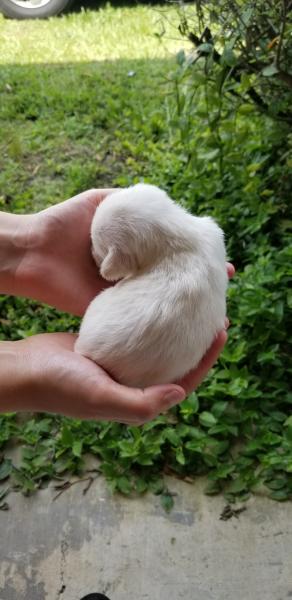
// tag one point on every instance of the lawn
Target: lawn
(86, 100)
(79, 101)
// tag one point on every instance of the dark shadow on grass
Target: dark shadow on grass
(79, 5)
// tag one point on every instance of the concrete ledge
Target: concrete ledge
(131, 549)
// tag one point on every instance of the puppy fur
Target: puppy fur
(156, 323)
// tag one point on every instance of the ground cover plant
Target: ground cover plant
(112, 113)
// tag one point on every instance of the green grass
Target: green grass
(85, 101)
(79, 126)
(79, 101)
(108, 33)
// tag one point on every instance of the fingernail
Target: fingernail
(174, 397)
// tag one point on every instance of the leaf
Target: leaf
(236, 352)
(253, 167)
(190, 405)
(218, 408)
(205, 48)
(271, 438)
(209, 155)
(171, 435)
(180, 57)
(212, 488)
(247, 15)
(77, 447)
(237, 485)
(124, 485)
(67, 438)
(5, 469)
(228, 57)
(167, 501)
(280, 495)
(277, 484)
(288, 433)
(270, 70)
(207, 419)
(4, 492)
(180, 457)
(144, 460)
(236, 386)
(216, 447)
(156, 486)
(220, 78)
(223, 471)
(195, 446)
(63, 464)
(246, 109)
(141, 485)
(246, 81)
(196, 433)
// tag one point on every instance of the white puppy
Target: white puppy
(157, 322)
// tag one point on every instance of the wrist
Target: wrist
(15, 377)
(16, 239)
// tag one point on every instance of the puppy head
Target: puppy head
(127, 230)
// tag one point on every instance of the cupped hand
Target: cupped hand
(57, 267)
(58, 380)
(53, 378)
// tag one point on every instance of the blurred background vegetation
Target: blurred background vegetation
(197, 99)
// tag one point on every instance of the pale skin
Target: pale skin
(47, 256)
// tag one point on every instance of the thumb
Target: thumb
(138, 406)
(164, 396)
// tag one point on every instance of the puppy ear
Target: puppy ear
(117, 265)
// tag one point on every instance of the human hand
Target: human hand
(54, 262)
(43, 374)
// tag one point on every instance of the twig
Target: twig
(282, 33)
(67, 484)
(229, 512)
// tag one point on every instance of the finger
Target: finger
(96, 196)
(134, 405)
(230, 269)
(191, 381)
(59, 339)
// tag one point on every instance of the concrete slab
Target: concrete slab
(131, 549)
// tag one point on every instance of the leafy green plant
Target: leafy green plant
(215, 152)
(246, 49)
(236, 165)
